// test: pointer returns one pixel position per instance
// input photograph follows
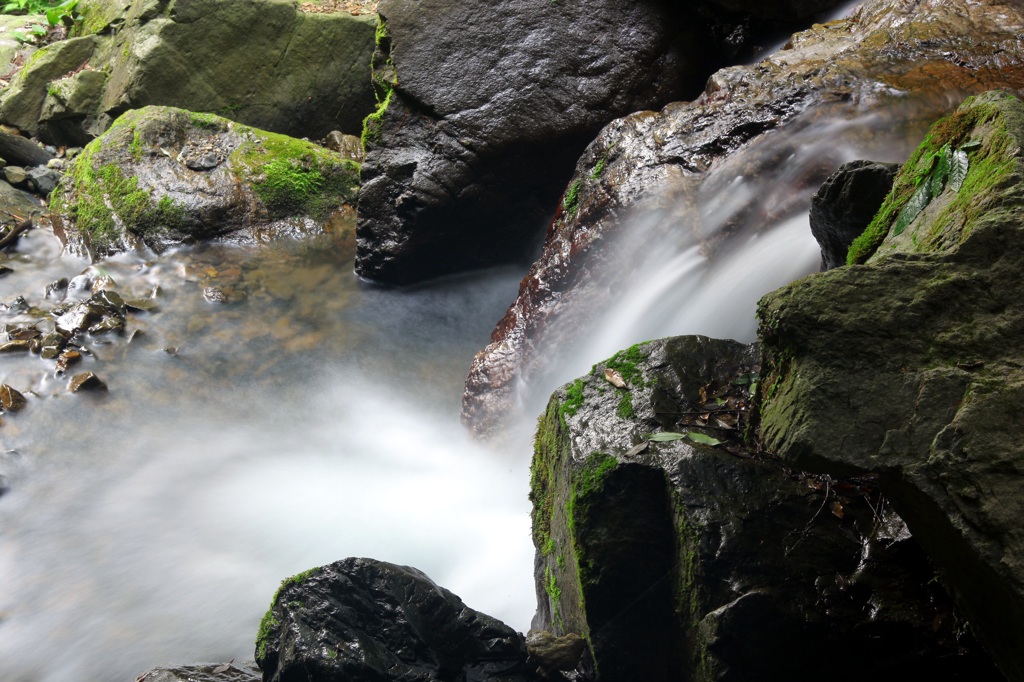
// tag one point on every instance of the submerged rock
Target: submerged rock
(264, 63)
(163, 176)
(652, 166)
(360, 620)
(469, 148)
(678, 557)
(909, 366)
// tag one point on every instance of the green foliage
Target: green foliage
(573, 398)
(627, 363)
(598, 168)
(571, 200)
(625, 407)
(56, 11)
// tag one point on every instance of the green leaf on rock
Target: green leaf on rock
(940, 171)
(704, 439)
(971, 146)
(918, 200)
(669, 436)
(664, 437)
(958, 165)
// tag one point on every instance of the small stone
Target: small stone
(80, 282)
(215, 295)
(67, 358)
(57, 289)
(109, 323)
(102, 283)
(86, 381)
(55, 164)
(52, 344)
(349, 146)
(11, 399)
(16, 346)
(555, 653)
(142, 305)
(15, 175)
(4, 270)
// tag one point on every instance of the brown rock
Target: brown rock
(86, 381)
(11, 399)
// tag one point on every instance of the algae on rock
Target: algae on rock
(161, 176)
(909, 366)
(670, 558)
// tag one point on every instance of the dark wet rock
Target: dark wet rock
(680, 560)
(359, 620)
(215, 295)
(645, 164)
(42, 180)
(66, 359)
(845, 204)
(86, 381)
(469, 149)
(909, 366)
(103, 311)
(262, 62)
(5, 270)
(146, 181)
(11, 399)
(80, 283)
(52, 344)
(211, 672)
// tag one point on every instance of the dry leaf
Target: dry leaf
(637, 449)
(837, 509)
(614, 378)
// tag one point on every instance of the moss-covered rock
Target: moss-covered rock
(162, 176)
(261, 62)
(910, 366)
(681, 560)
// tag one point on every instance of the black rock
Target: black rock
(470, 148)
(845, 204)
(361, 620)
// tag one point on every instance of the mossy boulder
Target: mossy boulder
(162, 176)
(693, 559)
(264, 63)
(909, 366)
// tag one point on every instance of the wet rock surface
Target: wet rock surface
(213, 672)
(678, 555)
(844, 205)
(469, 149)
(162, 176)
(655, 164)
(360, 620)
(263, 63)
(908, 366)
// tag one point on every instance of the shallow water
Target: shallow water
(239, 444)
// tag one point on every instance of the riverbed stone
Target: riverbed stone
(908, 365)
(678, 553)
(265, 63)
(361, 619)
(210, 672)
(469, 149)
(650, 167)
(163, 176)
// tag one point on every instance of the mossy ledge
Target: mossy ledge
(269, 623)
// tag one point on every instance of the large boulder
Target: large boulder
(162, 176)
(679, 555)
(264, 63)
(470, 148)
(909, 366)
(679, 167)
(361, 620)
